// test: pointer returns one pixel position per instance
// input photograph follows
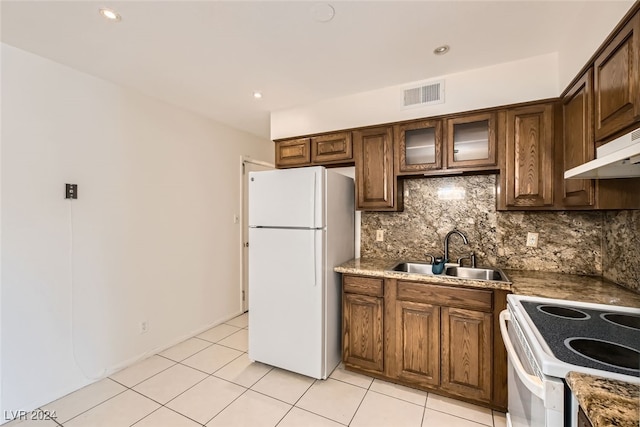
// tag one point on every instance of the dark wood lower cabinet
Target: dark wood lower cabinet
(418, 342)
(362, 326)
(466, 352)
(443, 339)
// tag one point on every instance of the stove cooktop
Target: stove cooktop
(581, 336)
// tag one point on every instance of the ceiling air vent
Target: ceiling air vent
(426, 94)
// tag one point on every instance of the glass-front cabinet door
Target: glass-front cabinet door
(418, 147)
(471, 141)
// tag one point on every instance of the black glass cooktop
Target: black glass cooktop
(596, 339)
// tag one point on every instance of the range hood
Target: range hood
(619, 158)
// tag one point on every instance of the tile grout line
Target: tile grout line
(360, 404)
(94, 406)
(229, 404)
(398, 398)
(424, 410)
(211, 374)
(347, 382)
(191, 355)
(157, 373)
(462, 418)
(215, 342)
(165, 405)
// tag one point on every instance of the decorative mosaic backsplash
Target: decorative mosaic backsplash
(569, 242)
(621, 248)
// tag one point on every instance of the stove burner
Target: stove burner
(605, 352)
(564, 312)
(626, 320)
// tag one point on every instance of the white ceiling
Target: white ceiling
(209, 56)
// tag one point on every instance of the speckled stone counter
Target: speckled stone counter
(378, 268)
(535, 283)
(571, 287)
(606, 402)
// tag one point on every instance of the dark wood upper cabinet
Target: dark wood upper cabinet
(617, 82)
(527, 178)
(332, 148)
(578, 145)
(431, 147)
(418, 147)
(471, 141)
(376, 185)
(294, 152)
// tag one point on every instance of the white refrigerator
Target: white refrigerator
(301, 225)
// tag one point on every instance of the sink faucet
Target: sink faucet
(446, 242)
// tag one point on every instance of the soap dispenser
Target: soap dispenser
(438, 265)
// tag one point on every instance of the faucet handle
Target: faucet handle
(430, 256)
(471, 258)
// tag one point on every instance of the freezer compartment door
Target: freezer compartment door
(286, 304)
(287, 198)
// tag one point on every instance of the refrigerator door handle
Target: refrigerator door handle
(315, 259)
(318, 236)
(315, 195)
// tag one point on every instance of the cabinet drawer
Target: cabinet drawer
(294, 152)
(363, 285)
(334, 148)
(475, 299)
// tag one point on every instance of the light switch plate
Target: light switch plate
(379, 235)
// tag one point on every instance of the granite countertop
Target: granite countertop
(377, 267)
(571, 287)
(606, 402)
(534, 283)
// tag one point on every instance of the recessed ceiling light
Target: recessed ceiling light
(441, 50)
(322, 12)
(110, 14)
(257, 94)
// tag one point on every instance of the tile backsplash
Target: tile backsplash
(569, 241)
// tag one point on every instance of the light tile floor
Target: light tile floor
(209, 381)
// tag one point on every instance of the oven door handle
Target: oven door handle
(532, 382)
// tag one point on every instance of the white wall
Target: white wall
(519, 81)
(585, 36)
(153, 233)
(350, 171)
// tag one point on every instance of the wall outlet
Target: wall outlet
(71, 191)
(379, 235)
(532, 240)
(144, 326)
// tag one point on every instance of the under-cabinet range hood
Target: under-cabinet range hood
(619, 158)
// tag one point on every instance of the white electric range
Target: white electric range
(547, 338)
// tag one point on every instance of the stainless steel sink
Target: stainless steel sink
(454, 272)
(476, 273)
(413, 267)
